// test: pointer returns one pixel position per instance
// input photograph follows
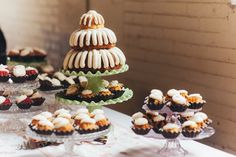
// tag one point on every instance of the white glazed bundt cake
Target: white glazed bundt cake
(93, 46)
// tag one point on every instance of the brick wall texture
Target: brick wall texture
(168, 43)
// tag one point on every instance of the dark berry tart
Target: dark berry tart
(23, 102)
(18, 74)
(5, 103)
(4, 73)
(32, 73)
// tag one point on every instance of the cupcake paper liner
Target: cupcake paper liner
(38, 101)
(32, 77)
(4, 78)
(105, 97)
(18, 79)
(153, 106)
(5, 107)
(23, 105)
(177, 107)
(118, 94)
(141, 131)
(82, 131)
(44, 132)
(190, 133)
(101, 128)
(63, 133)
(170, 135)
(196, 105)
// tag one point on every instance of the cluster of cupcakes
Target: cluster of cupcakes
(190, 126)
(111, 90)
(18, 73)
(57, 81)
(28, 99)
(62, 123)
(176, 100)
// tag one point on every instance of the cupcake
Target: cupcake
(183, 92)
(35, 120)
(44, 127)
(4, 73)
(18, 74)
(159, 122)
(178, 103)
(141, 126)
(171, 130)
(32, 73)
(87, 125)
(81, 111)
(60, 76)
(105, 95)
(171, 93)
(48, 84)
(195, 101)
(116, 88)
(205, 118)
(87, 95)
(37, 99)
(199, 120)
(72, 92)
(5, 103)
(23, 102)
(185, 116)
(102, 122)
(155, 101)
(79, 117)
(190, 129)
(62, 126)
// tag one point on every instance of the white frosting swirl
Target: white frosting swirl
(19, 71)
(88, 120)
(99, 117)
(70, 80)
(156, 96)
(82, 110)
(197, 119)
(60, 122)
(46, 123)
(46, 114)
(202, 115)
(187, 114)
(55, 82)
(61, 111)
(91, 15)
(158, 118)
(140, 121)
(137, 115)
(64, 115)
(157, 91)
(81, 116)
(179, 99)
(39, 117)
(60, 76)
(172, 92)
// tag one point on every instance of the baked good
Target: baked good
(155, 101)
(35, 120)
(171, 130)
(44, 127)
(183, 92)
(185, 116)
(156, 91)
(141, 126)
(105, 94)
(88, 96)
(96, 112)
(199, 120)
(159, 122)
(78, 118)
(178, 103)
(195, 101)
(47, 115)
(37, 99)
(48, 84)
(190, 129)
(4, 73)
(18, 74)
(62, 126)
(116, 88)
(5, 103)
(204, 116)
(151, 114)
(102, 122)
(32, 73)
(72, 92)
(93, 47)
(171, 93)
(87, 125)
(23, 102)
(60, 111)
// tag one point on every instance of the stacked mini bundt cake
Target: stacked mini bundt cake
(93, 47)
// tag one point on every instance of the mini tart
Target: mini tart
(72, 92)
(44, 127)
(5, 103)
(78, 118)
(62, 126)
(105, 95)
(171, 130)
(66, 116)
(102, 122)
(171, 93)
(141, 126)
(18, 74)
(116, 88)
(87, 125)
(151, 114)
(155, 101)
(178, 103)
(190, 129)
(158, 122)
(4, 73)
(32, 73)
(88, 96)
(204, 116)
(195, 101)
(37, 99)
(185, 116)
(23, 102)
(35, 120)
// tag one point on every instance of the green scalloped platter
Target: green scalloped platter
(126, 96)
(124, 68)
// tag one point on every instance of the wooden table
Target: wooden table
(122, 143)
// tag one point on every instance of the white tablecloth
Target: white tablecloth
(122, 143)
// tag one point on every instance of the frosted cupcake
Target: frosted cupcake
(35, 120)
(171, 93)
(158, 122)
(171, 130)
(44, 127)
(102, 122)
(141, 126)
(47, 115)
(137, 115)
(116, 88)
(5, 103)
(155, 101)
(87, 125)
(190, 129)
(183, 92)
(37, 99)
(62, 126)
(185, 116)
(95, 112)
(199, 120)
(81, 111)
(78, 118)
(18, 74)
(87, 95)
(178, 103)
(156, 91)
(204, 116)
(195, 101)
(32, 73)
(60, 111)
(4, 73)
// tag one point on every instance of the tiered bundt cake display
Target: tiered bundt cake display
(94, 54)
(93, 47)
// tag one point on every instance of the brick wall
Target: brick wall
(181, 44)
(168, 43)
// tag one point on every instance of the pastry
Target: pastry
(62, 126)
(204, 116)
(44, 127)
(79, 117)
(105, 94)
(102, 122)
(159, 122)
(116, 88)
(171, 130)
(190, 129)
(5, 103)
(47, 115)
(185, 116)
(32, 73)
(18, 74)
(23, 102)
(60, 111)
(87, 95)
(4, 73)
(178, 103)
(155, 101)
(35, 120)
(151, 114)
(48, 84)
(171, 93)
(68, 81)
(93, 47)
(141, 126)
(87, 125)
(195, 101)
(96, 112)
(199, 120)
(37, 99)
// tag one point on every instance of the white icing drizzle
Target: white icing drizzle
(46, 114)
(61, 111)
(88, 120)
(86, 92)
(19, 71)
(82, 116)
(70, 80)
(190, 123)
(156, 91)
(60, 122)
(77, 60)
(170, 126)
(87, 18)
(66, 60)
(83, 58)
(140, 121)
(71, 61)
(158, 118)
(179, 99)
(99, 117)
(137, 115)
(172, 92)
(46, 123)
(39, 117)
(2, 99)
